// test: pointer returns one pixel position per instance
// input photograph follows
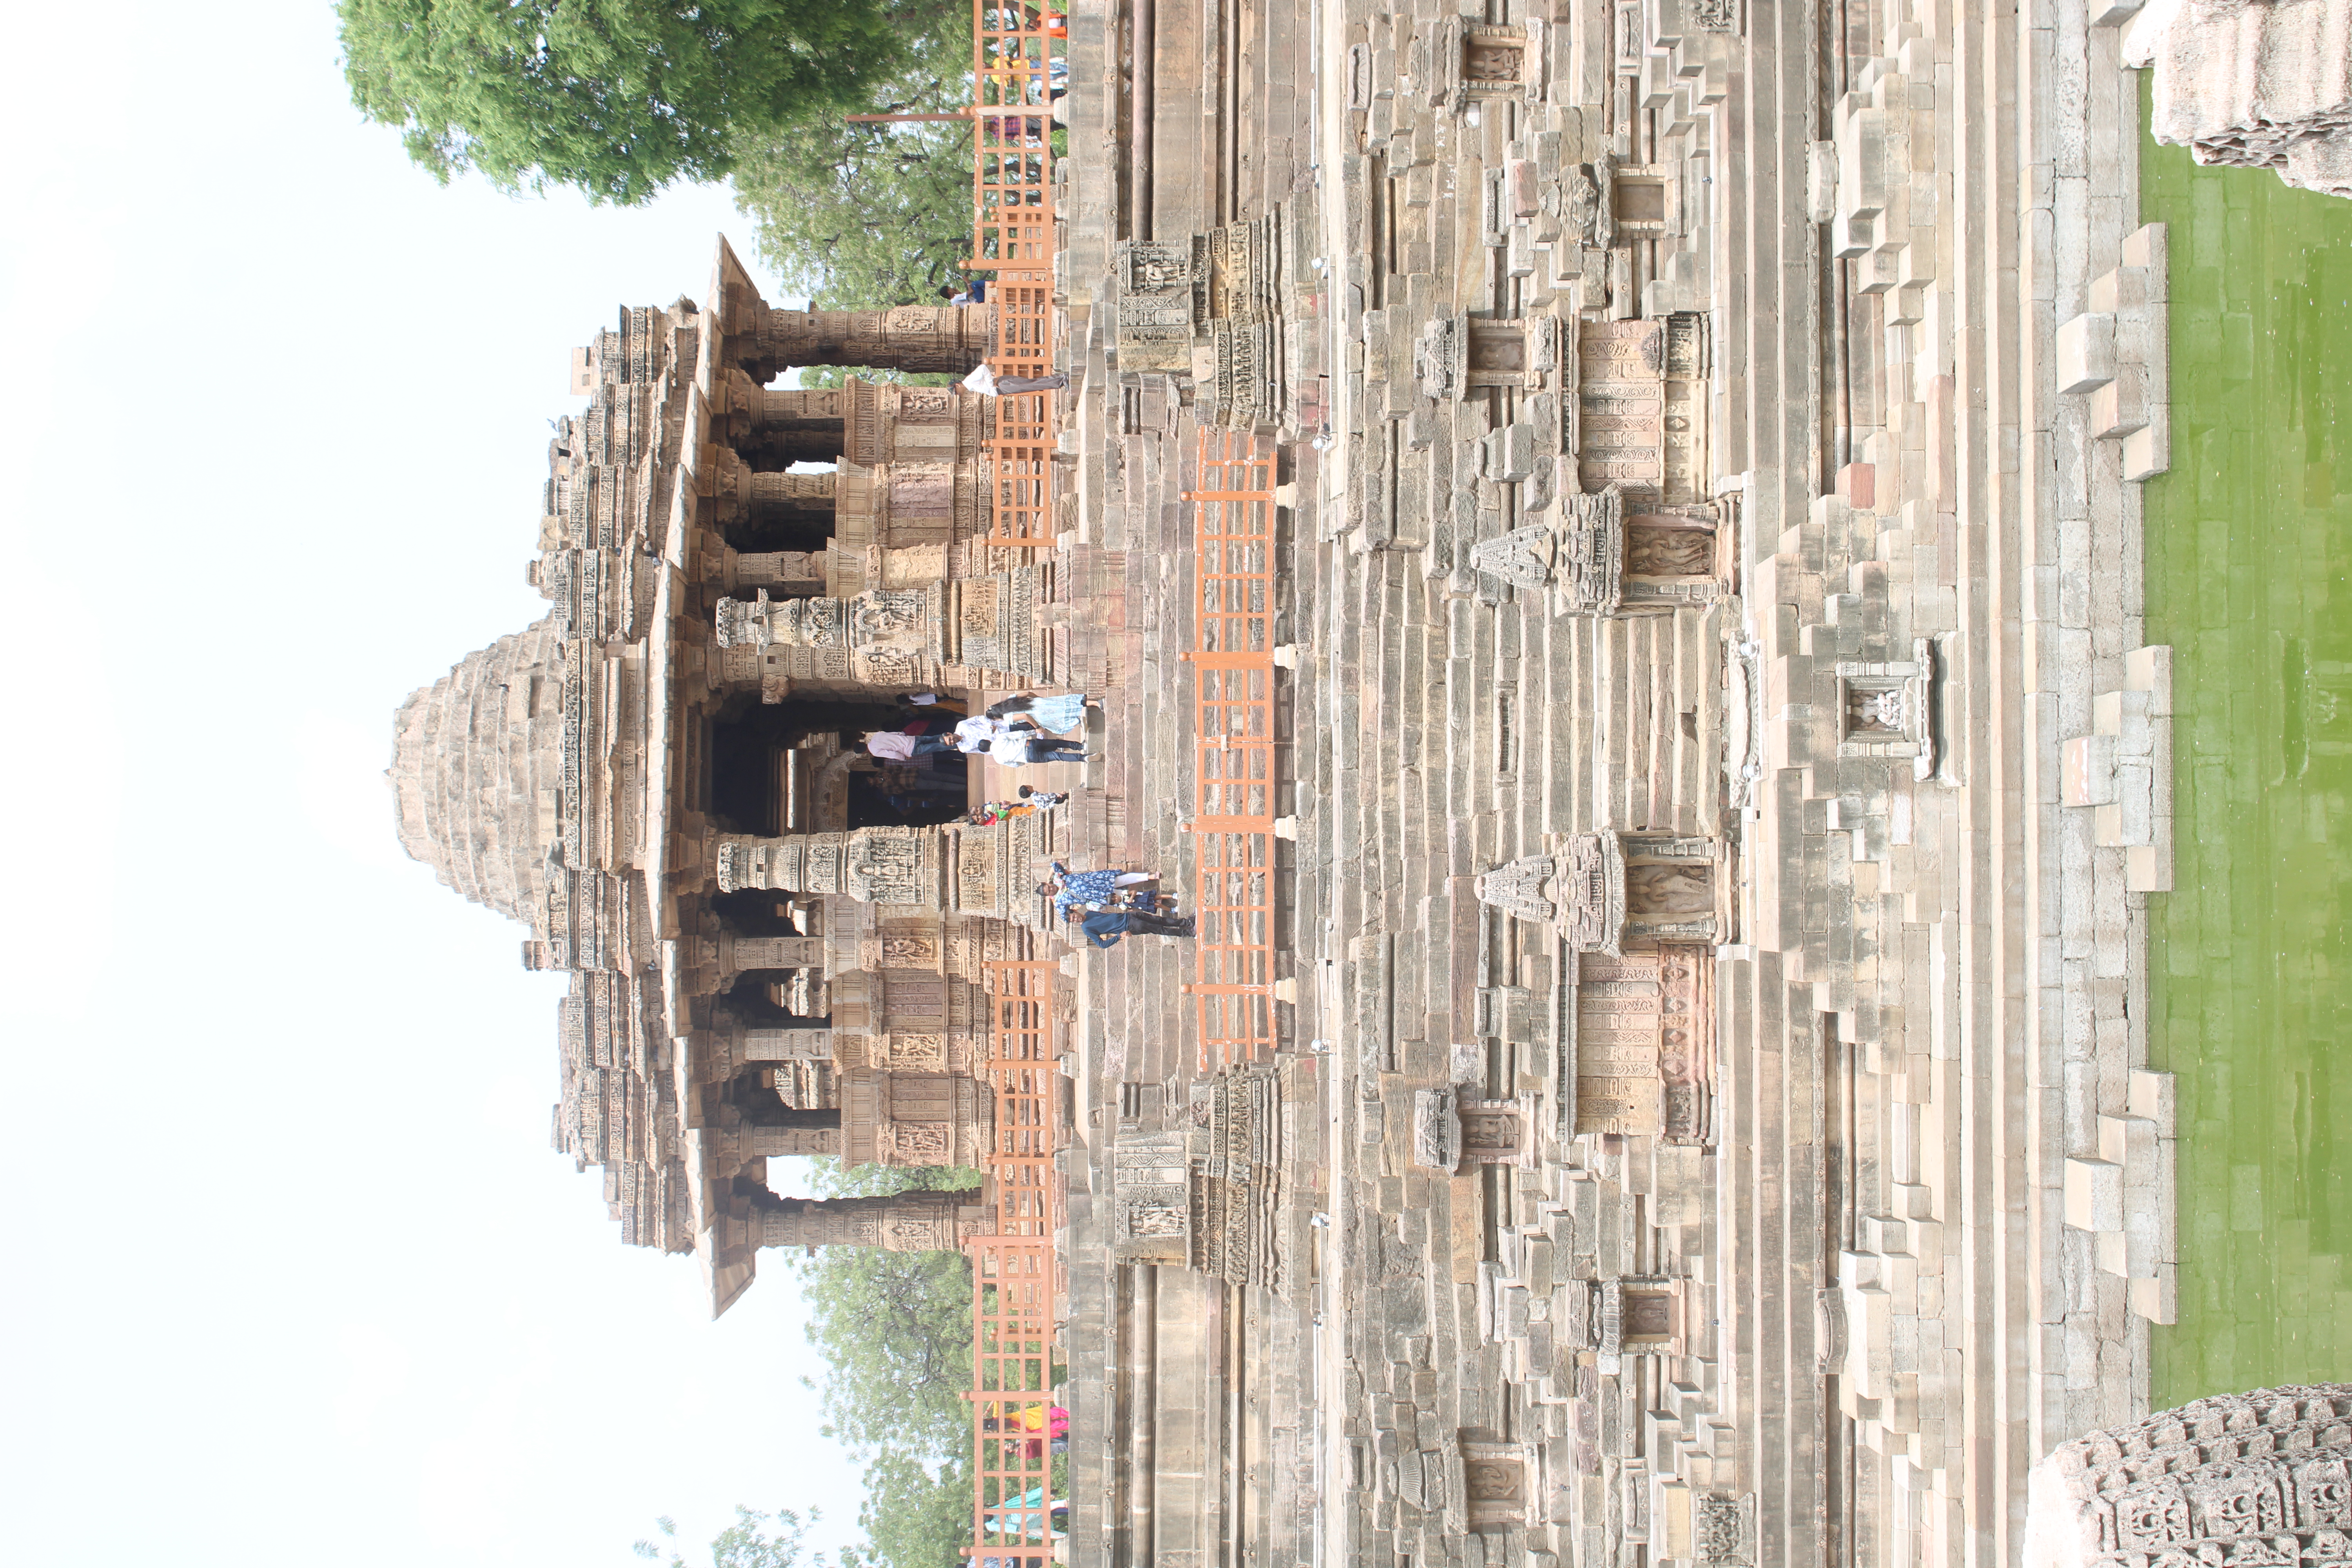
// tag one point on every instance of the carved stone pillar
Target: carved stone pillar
(742, 493)
(760, 1143)
(901, 1222)
(733, 1043)
(791, 493)
(812, 1041)
(952, 338)
(871, 865)
(738, 953)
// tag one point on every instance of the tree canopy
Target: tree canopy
(745, 1543)
(862, 217)
(895, 1329)
(616, 97)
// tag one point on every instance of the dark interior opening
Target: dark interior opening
(754, 912)
(749, 1001)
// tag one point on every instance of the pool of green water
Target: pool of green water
(2249, 580)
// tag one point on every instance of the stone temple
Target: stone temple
(1607, 533)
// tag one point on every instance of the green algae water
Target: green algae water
(2249, 580)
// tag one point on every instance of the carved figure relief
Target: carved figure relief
(1669, 889)
(916, 1053)
(1873, 712)
(1494, 1480)
(1657, 551)
(919, 1142)
(1155, 1219)
(1490, 62)
(909, 951)
(1490, 1134)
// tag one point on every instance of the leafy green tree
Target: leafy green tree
(744, 1543)
(616, 97)
(914, 1516)
(895, 1329)
(860, 217)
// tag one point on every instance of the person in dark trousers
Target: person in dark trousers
(1104, 928)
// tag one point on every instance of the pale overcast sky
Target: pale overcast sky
(295, 1277)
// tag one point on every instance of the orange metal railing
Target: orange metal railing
(1014, 1276)
(1017, 53)
(1233, 679)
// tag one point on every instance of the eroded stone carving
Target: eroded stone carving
(2260, 84)
(2244, 1478)
(1436, 1131)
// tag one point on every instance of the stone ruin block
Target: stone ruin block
(2262, 1477)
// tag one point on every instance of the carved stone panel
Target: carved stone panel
(1498, 1484)
(1157, 308)
(1622, 405)
(918, 1143)
(1617, 1024)
(1723, 1530)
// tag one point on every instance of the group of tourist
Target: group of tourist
(1020, 732)
(1111, 903)
(1024, 730)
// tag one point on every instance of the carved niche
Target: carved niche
(2258, 1479)
(1641, 1316)
(1473, 62)
(1887, 709)
(1496, 1132)
(1608, 889)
